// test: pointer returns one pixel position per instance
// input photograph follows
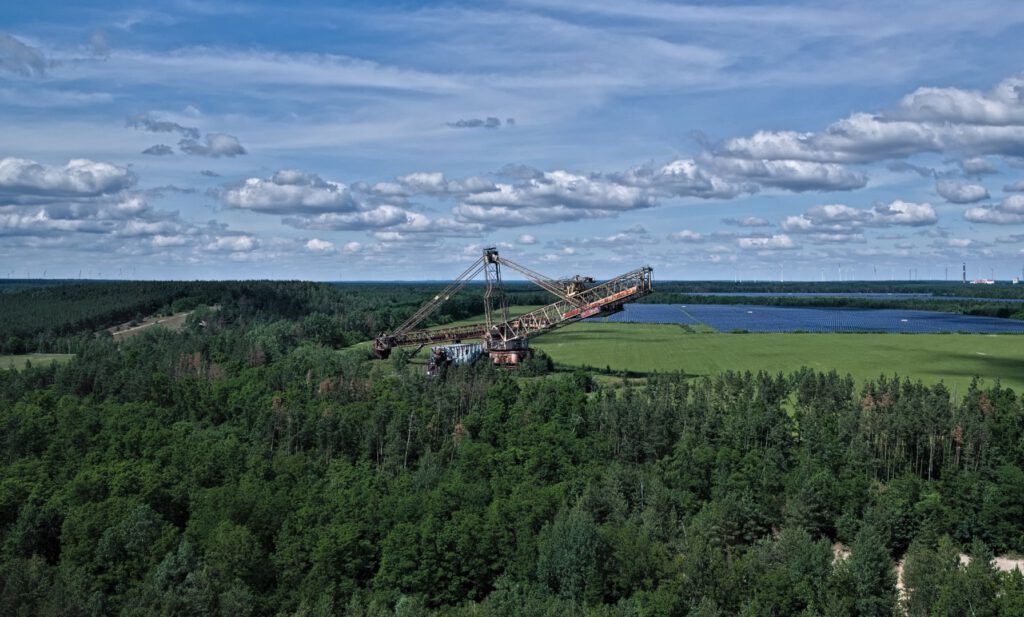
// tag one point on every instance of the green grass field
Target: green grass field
(952, 358)
(37, 359)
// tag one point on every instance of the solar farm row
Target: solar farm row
(867, 295)
(757, 318)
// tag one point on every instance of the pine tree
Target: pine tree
(872, 575)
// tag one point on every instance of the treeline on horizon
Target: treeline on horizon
(246, 466)
(63, 318)
(60, 318)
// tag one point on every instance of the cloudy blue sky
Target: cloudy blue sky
(375, 140)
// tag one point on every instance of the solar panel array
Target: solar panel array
(859, 295)
(757, 318)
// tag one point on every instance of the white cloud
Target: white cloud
(1016, 187)
(24, 181)
(681, 178)
(927, 120)
(290, 192)
(791, 175)
(1000, 106)
(562, 188)
(551, 197)
(769, 243)
(832, 220)
(1009, 212)
(40, 222)
(526, 239)
(315, 245)
(232, 244)
(686, 235)
(901, 212)
(433, 183)
(957, 193)
(380, 216)
(352, 247)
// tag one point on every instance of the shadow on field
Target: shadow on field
(990, 368)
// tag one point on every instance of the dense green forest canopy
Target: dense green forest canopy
(248, 465)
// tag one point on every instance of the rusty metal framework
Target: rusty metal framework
(506, 338)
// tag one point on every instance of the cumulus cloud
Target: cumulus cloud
(214, 145)
(562, 188)
(433, 184)
(316, 245)
(232, 244)
(374, 218)
(41, 222)
(159, 150)
(1010, 211)
(477, 123)
(829, 222)
(145, 122)
(904, 213)
(89, 205)
(792, 175)
(126, 216)
(778, 242)
(352, 247)
(1003, 105)
(503, 216)
(526, 239)
(957, 193)
(290, 191)
(927, 120)
(1016, 187)
(681, 178)
(23, 181)
(687, 235)
(310, 202)
(551, 197)
(20, 59)
(746, 221)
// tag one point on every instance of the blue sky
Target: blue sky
(395, 140)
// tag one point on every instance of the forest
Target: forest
(260, 462)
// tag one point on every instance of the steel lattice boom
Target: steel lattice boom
(506, 338)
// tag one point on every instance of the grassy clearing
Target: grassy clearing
(37, 359)
(951, 358)
(172, 322)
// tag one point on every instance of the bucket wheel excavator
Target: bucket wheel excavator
(506, 339)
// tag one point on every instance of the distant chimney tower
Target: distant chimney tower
(965, 271)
